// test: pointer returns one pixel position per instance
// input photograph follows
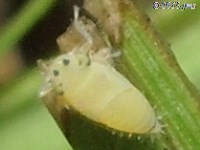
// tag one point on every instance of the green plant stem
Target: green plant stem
(22, 22)
(152, 68)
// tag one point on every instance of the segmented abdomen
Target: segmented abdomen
(107, 97)
(129, 111)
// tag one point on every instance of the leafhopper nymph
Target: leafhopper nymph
(91, 85)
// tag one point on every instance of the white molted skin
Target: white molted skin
(92, 86)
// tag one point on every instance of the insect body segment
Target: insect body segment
(92, 86)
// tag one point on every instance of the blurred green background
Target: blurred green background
(28, 31)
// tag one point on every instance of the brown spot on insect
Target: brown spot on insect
(66, 62)
(55, 72)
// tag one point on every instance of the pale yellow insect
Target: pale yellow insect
(92, 86)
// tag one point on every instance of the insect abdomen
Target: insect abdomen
(105, 96)
(129, 111)
(94, 91)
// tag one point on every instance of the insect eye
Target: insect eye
(55, 73)
(66, 62)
